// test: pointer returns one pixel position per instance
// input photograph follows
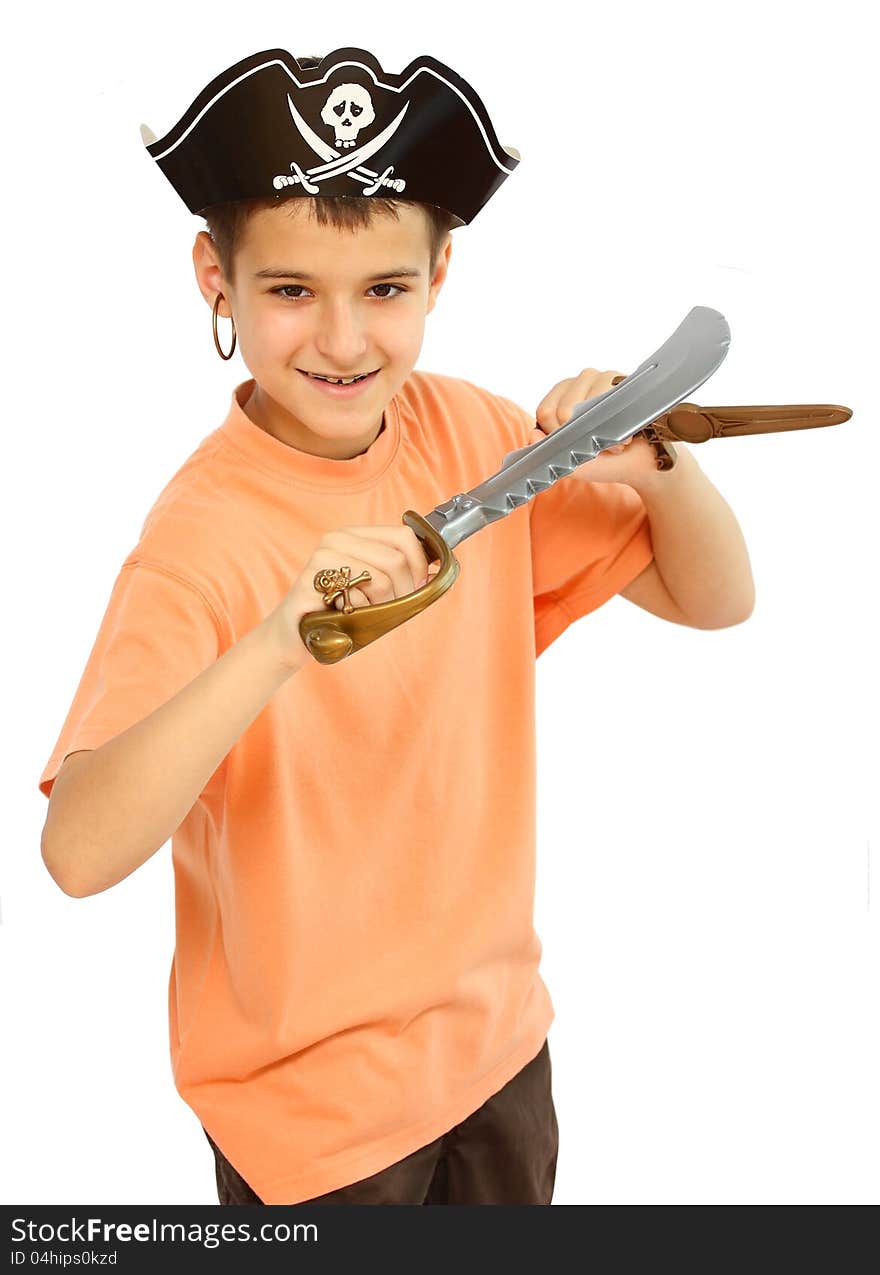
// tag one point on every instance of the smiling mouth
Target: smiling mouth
(337, 380)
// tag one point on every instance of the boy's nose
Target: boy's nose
(340, 337)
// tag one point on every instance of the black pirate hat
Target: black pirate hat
(269, 126)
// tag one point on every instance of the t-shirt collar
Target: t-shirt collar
(271, 454)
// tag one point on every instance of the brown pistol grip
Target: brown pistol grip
(664, 453)
(331, 636)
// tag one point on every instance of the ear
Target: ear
(209, 276)
(439, 274)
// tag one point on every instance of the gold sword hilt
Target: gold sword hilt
(331, 636)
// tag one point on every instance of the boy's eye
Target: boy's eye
(298, 289)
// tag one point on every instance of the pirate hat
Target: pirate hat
(269, 126)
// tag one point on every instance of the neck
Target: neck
(273, 419)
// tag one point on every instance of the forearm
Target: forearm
(699, 547)
(126, 798)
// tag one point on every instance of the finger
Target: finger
(600, 383)
(390, 559)
(546, 411)
(585, 386)
(556, 407)
(404, 538)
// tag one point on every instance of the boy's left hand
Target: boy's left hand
(633, 462)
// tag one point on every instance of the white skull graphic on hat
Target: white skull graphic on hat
(347, 110)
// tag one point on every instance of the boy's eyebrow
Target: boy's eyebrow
(277, 272)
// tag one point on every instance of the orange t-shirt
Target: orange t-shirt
(356, 968)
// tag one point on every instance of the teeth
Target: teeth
(337, 380)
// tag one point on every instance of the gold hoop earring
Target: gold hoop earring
(217, 300)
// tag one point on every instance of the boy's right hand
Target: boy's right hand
(394, 557)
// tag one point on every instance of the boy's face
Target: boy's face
(349, 317)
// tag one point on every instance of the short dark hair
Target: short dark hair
(226, 222)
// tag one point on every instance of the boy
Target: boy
(355, 1009)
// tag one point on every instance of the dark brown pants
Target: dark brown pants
(504, 1153)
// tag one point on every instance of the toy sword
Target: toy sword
(648, 400)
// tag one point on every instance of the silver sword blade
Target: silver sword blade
(695, 350)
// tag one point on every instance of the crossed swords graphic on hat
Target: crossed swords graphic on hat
(338, 164)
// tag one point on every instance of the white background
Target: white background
(706, 815)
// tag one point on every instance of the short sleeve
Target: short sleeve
(157, 634)
(588, 541)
